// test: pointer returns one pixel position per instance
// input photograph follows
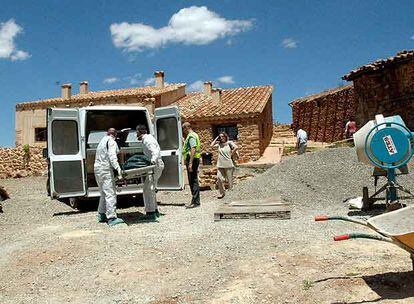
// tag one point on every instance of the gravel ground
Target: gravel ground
(52, 254)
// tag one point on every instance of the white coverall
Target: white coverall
(105, 161)
(153, 152)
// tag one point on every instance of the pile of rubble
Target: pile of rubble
(317, 181)
(3, 196)
(208, 176)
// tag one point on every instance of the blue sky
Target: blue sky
(299, 47)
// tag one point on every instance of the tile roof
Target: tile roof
(322, 94)
(380, 64)
(141, 92)
(237, 103)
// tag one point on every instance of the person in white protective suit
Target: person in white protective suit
(153, 152)
(106, 161)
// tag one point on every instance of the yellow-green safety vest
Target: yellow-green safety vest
(186, 149)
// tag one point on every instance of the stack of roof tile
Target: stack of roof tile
(380, 64)
(140, 92)
(235, 103)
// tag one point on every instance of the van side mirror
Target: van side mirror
(44, 153)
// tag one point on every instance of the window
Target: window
(231, 131)
(167, 133)
(65, 137)
(40, 134)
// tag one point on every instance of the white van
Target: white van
(74, 133)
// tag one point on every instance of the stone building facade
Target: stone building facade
(385, 87)
(245, 114)
(30, 117)
(324, 115)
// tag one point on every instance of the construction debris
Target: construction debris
(314, 181)
(3, 196)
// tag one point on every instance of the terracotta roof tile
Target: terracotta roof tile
(322, 94)
(380, 64)
(142, 92)
(248, 101)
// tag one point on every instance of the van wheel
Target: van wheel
(74, 202)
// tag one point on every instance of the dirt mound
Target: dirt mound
(315, 179)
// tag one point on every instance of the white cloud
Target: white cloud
(19, 55)
(195, 25)
(110, 80)
(289, 43)
(134, 79)
(412, 37)
(149, 81)
(226, 79)
(8, 32)
(196, 86)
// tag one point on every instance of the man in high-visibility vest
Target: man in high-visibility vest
(192, 154)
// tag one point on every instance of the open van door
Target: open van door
(167, 128)
(67, 178)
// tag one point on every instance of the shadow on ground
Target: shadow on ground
(135, 218)
(376, 209)
(91, 205)
(388, 286)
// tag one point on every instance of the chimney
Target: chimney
(83, 87)
(159, 79)
(216, 94)
(66, 91)
(208, 86)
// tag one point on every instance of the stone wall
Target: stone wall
(14, 162)
(324, 117)
(389, 91)
(208, 176)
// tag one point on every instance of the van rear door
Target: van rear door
(67, 177)
(167, 128)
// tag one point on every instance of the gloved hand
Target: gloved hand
(120, 175)
(153, 162)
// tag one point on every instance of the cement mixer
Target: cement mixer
(388, 145)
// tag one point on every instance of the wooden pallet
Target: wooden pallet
(258, 209)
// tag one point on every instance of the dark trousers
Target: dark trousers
(193, 180)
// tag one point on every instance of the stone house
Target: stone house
(324, 115)
(245, 114)
(30, 120)
(385, 86)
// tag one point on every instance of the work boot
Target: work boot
(158, 213)
(192, 206)
(102, 218)
(115, 221)
(148, 217)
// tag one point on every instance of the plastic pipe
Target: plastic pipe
(321, 218)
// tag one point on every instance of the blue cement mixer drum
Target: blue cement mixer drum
(389, 144)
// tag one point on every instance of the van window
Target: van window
(65, 137)
(167, 133)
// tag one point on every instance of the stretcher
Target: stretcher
(136, 173)
(396, 227)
